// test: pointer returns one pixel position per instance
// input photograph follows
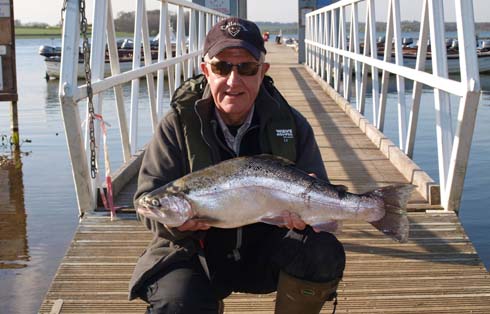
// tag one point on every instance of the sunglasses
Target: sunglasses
(223, 68)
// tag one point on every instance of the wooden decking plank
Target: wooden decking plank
(437, 271)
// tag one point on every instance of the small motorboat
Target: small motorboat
(52, 57)
(410, 48)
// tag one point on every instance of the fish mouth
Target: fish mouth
(149, 212)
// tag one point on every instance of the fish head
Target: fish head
(171, 210)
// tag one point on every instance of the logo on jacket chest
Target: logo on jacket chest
(286, 134)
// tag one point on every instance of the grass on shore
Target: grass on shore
(31, 32)
(39, 32)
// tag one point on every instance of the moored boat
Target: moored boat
(410, 55)
(52, 58)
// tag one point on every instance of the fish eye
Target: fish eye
(155, 202)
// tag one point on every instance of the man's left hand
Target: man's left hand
(293, 220)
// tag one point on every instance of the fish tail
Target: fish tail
(395, 221)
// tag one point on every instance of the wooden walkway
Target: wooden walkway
(437, 271)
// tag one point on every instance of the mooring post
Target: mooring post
(14, 127)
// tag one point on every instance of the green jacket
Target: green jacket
(168, 157)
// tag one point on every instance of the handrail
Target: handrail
(183, 64)
(334, 52)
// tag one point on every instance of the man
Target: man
(234, 111)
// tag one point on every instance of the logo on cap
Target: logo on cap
(233, 28)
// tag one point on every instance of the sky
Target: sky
(258, 10)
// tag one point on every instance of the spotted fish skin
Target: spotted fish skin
(248, 190)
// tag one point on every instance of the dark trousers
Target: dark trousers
(186, 289)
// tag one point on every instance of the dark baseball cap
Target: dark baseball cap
(234, 32)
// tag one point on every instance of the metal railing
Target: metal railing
(176, 61)
(336, 53)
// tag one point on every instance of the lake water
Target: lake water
(38, 210)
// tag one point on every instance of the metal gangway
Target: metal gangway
(336, 51)
(438, 271)
(333, 49)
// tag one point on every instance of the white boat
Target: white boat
(453, 66)
(53, 67)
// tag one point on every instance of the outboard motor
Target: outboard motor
(449, 42)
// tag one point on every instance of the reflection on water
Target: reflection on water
(13, 231)
(52, 101)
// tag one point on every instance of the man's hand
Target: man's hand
(293, 220)
(193, 225)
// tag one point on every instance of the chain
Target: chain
(88, 76)
(63, 9)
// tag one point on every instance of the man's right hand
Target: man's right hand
(193, 225)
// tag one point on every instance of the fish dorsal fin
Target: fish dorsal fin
(281, 160)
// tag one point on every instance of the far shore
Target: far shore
(49, 32)
(35, 32)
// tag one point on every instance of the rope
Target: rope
(107, 197)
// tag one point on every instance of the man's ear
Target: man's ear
(265, 68)
(204, 69)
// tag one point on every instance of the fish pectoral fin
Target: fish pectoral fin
(332, 226)
(276, 220)
(207, 220)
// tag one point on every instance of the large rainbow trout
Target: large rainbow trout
(248, 190)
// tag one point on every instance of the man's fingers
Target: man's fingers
(187, 226)
(297, 222)
(293, 221)
(193, 225)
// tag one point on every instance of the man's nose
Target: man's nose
(233, 77)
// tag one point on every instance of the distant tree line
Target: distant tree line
(414, 26)
(406, 26)
(18, 23)
(124, 22)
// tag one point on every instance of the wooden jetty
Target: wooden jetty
(437, 271)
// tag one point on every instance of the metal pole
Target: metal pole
(242, 9)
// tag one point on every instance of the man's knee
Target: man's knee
(181, 291)
(313, 256)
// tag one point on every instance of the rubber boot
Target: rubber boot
(296, 296)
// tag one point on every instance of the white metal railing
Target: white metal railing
(335, 51)
(174, 63)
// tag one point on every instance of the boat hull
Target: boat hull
(453, 66)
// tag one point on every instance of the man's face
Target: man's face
(234, 94)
